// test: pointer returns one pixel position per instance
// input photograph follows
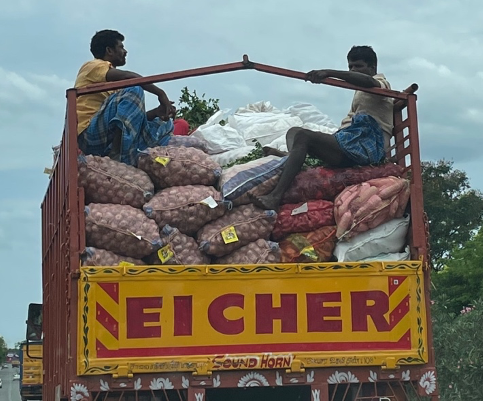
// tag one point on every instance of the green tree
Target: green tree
(461, 281)
(195, 110)
(458, 351)
(3, 349)
(454, 210)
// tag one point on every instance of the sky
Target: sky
(436, 43)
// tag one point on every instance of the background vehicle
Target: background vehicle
(16, 376)
(95, 348)
(31, 370)
(1, 383)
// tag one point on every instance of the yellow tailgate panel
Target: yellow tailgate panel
(32, 369)
(205, 318)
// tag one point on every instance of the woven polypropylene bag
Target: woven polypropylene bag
(257, 177)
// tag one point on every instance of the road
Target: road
(10, 390)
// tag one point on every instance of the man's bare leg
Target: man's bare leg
(115, 152)
(301, 142)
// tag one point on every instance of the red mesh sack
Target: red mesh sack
(370, 204)
(316, 246)
(324, 183)
(303, 217)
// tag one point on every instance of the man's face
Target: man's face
(360, 66)
(117, 54)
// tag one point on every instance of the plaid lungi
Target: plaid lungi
(363, 140)
(124, 109)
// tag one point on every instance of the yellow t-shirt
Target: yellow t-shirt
(92, 72)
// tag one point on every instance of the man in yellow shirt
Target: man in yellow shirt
(363, 137)
(115, 123)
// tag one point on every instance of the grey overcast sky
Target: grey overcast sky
(435, 43)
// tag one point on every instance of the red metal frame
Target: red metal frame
(63, 218)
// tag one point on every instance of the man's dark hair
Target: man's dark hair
(364, 53)
(103, 39)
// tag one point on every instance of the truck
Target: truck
(287, 331)
(31, 370)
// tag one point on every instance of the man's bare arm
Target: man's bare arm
(114, 74)
(352, 77)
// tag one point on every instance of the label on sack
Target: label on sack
(135, 235)
(210, 201)
(126, 264)
(163, 160)
(229, 235)
(309, 252)
(300, 210)
(165, 253)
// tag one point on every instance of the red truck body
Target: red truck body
(68, 360)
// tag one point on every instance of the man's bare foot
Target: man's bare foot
(273, 151)
(267, 202)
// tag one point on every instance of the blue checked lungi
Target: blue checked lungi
(363, 140)
(124, 109)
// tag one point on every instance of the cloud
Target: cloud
(432, 43)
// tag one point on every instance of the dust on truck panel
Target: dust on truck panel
(205, 318)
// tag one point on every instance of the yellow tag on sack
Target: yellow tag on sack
(165, 253)
(163, 161)
(229, 235)
(310, 253)
(126, 264)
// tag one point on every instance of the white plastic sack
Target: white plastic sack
(261, 106)
(279, 143)
(312, 117)
(404, 256)
(219, 138)
(389, 237)
(264, 127)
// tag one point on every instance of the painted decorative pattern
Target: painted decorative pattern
(248, 270)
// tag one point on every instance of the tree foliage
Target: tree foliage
(458, 350)
(195, 110)
(462, 278)
(454, 210)
(3, 349)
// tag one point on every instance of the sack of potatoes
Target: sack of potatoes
(187, 208)
(242, 225)
(177, 249)
(178, 166)
(260, 251)
(122, 229)
(97, 257)
(107, 181)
